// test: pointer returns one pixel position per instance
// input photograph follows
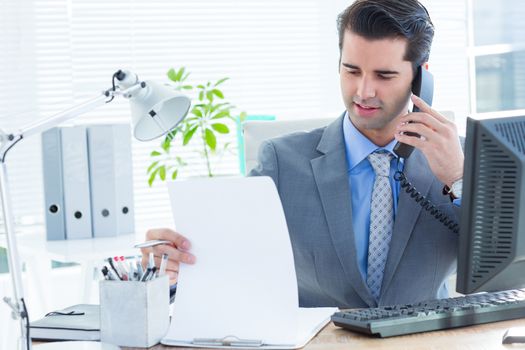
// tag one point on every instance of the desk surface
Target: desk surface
(481, 337)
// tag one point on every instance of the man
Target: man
(358, 240)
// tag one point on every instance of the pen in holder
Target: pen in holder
(134, 313)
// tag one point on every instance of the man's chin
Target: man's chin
(367, 123)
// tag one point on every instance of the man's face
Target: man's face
(375, 83)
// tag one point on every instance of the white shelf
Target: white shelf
(32, 242)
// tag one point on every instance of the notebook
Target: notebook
(242, 291)
(78, 322)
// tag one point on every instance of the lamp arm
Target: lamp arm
(7, 142)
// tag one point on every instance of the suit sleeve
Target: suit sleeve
(457, 211)
(267, 163)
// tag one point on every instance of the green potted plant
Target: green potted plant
(208, 119)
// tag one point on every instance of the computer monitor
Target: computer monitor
(491, 254)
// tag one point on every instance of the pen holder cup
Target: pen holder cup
(134, 313)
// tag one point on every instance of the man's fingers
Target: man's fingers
(173, 276)
(174, 254)
(410, 140)
(410, 120)
(424, 107)
(418, 128)
(178, 240)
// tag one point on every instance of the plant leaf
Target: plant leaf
(153, 165)
(218, 93)
(174, 174)
(180, 73)
(171, 135)
(221, 114)
(219, 105)
(180, 161)
(243, 116)
(209, 96)
(166, 145)
(187, 87)
(197, 112)
(221, 81)
(162, 172)
(201, 95)
(155, 153)
(221, 128)
(172, 75)
(189, 135)
(152, 177)
(211, 140)
(207, 108)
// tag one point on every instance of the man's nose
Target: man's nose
(366, 88)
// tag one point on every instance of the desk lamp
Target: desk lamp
(155, 110)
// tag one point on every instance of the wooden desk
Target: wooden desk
(482, 337)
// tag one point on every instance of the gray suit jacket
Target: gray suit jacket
(310, 172)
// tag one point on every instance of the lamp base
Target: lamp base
(76, 345)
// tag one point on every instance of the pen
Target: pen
(163, 264)
(105, 272)
(120, 267)
(112, 276)
(151, 260)
(151, 243)
(123, 263)
(131, 268)
(114, 268)
(145, 275)
(140, 271)
(152, 274)
(109, 274)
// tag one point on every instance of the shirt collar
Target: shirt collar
(358, 146)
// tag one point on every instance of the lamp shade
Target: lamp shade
(156, 109)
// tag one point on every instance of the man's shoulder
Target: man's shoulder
(298, 138)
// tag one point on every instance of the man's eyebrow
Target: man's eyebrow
(377, 71)
(351, 66)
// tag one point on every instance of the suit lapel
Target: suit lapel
(420, 175)
(331, 176)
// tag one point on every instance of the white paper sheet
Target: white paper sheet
(243, 283)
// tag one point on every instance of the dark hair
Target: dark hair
(379, 19)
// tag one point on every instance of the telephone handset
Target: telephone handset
(422, 86)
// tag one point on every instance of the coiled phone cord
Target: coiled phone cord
(424, 202)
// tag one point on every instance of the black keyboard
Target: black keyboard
(388, 321)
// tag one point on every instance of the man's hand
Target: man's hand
(177, 251)
(439, 142)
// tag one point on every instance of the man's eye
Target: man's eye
(353, 72)
(384, 77)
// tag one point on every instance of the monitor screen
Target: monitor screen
(491, 254)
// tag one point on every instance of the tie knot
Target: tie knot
(380, 161)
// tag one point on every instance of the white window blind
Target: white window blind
(448, 58)
(281, 58)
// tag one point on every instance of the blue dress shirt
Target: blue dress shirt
(361, 178)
